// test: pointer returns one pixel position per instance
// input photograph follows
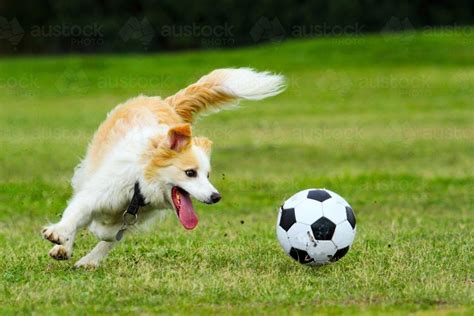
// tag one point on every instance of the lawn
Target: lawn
(386, 121)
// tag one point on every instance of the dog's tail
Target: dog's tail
(224, 88)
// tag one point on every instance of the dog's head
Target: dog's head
(180, 164)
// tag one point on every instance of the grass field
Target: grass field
(386, 121)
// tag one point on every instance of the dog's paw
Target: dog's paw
(50, 234)
(59, 252)
(85, 263)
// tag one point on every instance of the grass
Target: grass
(386, 121)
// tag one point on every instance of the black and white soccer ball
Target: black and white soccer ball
(316, 226)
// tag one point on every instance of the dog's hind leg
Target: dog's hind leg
(93, 258)
(77, 215)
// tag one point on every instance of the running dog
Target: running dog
(143, 158)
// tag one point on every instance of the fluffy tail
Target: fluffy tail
(224, 88)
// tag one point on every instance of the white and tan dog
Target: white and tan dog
(148, 141)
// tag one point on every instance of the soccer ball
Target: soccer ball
(316, 226)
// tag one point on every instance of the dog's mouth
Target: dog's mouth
(184, 207)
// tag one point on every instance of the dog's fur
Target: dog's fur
(149, 140)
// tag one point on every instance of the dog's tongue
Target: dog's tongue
(186, 213)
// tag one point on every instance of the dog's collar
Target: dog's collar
(137, 201)
(130, 215)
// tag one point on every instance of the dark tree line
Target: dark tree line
(31, 27)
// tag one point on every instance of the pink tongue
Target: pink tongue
(186, 214)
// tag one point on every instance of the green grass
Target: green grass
(386, 121)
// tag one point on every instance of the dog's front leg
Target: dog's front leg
(77, 215)
(93, 258)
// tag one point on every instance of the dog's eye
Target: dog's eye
(191, 173)
(208, 175)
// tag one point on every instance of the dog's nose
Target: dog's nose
(215, 197)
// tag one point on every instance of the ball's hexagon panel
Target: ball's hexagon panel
(350, 216)
(318, 195)
(334, 210)
(323, 229)
(287, 218)
(295, 199)
(308, 211)
(301, 256)
(299, 235)
(322, 251)
(343, 235)
(283, 239)
(340, 253)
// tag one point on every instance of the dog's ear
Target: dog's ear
(179, 137)
(204, 143)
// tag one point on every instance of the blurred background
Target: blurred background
(88, 26)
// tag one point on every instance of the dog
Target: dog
(144, 159)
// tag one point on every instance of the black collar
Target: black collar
(137, 201)
(130, 214)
